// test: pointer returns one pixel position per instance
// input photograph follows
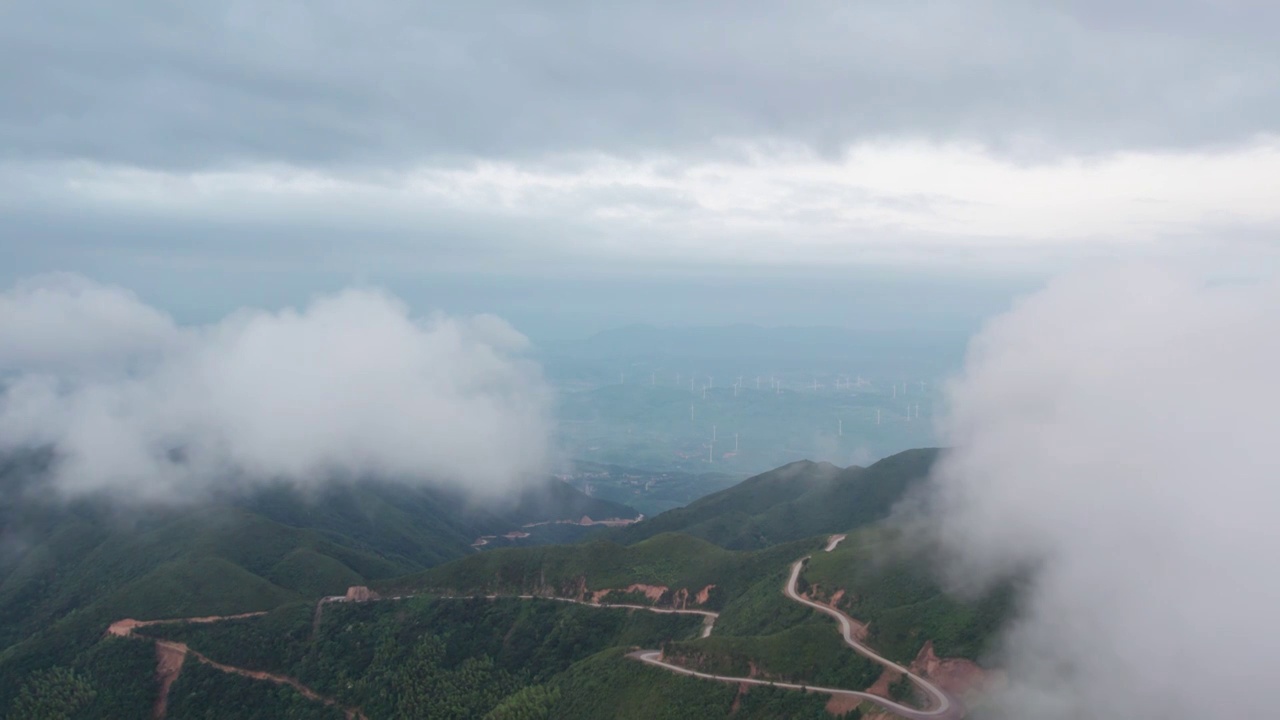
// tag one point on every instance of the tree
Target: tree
(54, 694)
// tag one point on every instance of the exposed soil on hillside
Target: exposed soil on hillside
(171, 655)
(654, 593)
(704, 594)
(957, 676)
(816, 594)
(125, 627)
(881, 685)
(841, 704)
(169, 661)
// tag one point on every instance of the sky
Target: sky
(578, 166)
(213, 214)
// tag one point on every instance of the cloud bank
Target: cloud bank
(1117, 431)
(149, 84)
(349, 386)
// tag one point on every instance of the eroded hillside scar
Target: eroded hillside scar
(170, 657)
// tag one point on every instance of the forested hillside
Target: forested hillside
(503, 658)
(69, 568)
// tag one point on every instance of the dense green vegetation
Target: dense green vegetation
(465, 658)
(894, 592)
(415, 658)
(807, 653)
(205, 693)
(112, 679)
(795, 501)
(68, 569)
(612, 686)
(674, 561)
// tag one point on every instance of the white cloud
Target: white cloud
(349, 385)
(61, 321)
(1116, 432)
(767, 204)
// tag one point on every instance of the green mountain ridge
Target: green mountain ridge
(69, 568)
(798, 500)
(728, 552)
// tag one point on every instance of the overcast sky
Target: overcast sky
(622, 156)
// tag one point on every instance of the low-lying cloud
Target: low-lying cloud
(1117, 433)
(352, 385)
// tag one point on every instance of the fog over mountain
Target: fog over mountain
(351, 384)
(1115, 432)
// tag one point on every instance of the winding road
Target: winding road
(170, 656)
(942, 706)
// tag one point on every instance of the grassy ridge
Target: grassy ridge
(671, 560)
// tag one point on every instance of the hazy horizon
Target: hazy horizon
(287, 239)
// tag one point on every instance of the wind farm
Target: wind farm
(844, 418)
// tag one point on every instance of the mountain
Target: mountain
(795, 501)
(477, 636)
(69, 568)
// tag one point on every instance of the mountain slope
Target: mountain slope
(671, 566)
(67, 569)
(795, 501)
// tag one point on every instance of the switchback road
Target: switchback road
(942, 706)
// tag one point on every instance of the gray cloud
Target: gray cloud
(1115, 431)
(217, 83)
(350, 385)
(64, 322)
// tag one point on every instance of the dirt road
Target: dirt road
(942, 706)
(170, 656)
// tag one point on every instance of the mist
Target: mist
(1115, 433)
(351, 385)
